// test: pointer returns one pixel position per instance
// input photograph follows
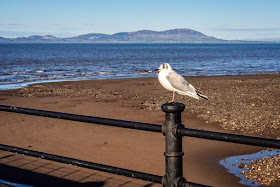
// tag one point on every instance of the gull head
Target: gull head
(164, 67)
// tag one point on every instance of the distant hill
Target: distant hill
(142, 36)
(32, 39)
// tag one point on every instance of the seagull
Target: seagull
(174, 82)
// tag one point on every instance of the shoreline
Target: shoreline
(139, 99)
(20, 85)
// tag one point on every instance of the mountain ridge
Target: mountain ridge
(183, 35)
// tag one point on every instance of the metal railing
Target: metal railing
(172, 129)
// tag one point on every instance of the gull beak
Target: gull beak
(156, 69)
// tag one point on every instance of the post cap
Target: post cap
(173, 107)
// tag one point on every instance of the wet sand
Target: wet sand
(245, 104)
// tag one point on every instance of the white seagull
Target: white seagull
(174, 82)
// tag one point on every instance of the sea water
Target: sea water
(23, 64)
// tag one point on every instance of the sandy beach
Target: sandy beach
(243, 104)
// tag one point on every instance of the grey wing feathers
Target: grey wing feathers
(179, 83)
(183, 87)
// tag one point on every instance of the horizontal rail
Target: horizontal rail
(228, 137)
(84, 118)
(85, 164)
(177, 130)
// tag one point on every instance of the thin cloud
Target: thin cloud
(12, 24)
(248, 29)
(88, 24)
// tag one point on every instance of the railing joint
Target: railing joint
(178, 182)
(176, 128)
(163, 129)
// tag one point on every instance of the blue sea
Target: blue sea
(23, 64)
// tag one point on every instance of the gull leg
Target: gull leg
(173, 97)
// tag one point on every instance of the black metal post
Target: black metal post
(173, 150)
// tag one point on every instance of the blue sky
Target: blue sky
(226, 19)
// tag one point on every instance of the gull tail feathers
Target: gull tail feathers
(190, 94)
(202, 96)
(196, 95)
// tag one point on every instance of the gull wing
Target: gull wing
(182, 86)
(179, 83)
